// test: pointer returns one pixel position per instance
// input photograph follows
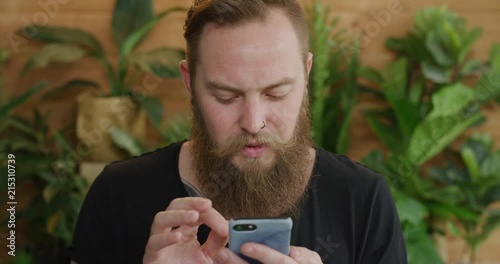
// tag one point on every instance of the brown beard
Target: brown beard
(253, 190)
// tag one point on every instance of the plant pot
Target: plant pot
(96, 116)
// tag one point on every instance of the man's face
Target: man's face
(247, 75)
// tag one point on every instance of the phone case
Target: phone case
(273, 232)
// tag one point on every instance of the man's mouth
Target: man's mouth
(254, 150)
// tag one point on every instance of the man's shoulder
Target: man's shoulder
(343, 172)
(151, 164)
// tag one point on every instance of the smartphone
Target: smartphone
(272, 232)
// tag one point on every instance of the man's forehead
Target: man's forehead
(270, 35)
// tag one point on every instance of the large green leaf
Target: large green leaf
(15, 102)
(59, 91)
(473, 67)
(451, 100)
(471, 163)
(494, 76)
(153, 108)
(370, 74)
(53, 52)
(394, 88)
(388, 133)
(136, 37)
(448, 211)
(434, 134)
(448, 195)
(436, 73)
(20, 125)
(398, 44)
(408, 116)
(491, 166)
(417, 91)
(62, 35)
(126, 141)
(468, 41)
(410, 209)
(128, 16)
(177, 129)
(342, 143)
(162, 62)
(395, 80)
(447, 174)
(482, 143)
(419, 246)
(439, 53)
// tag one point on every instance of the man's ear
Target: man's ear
(309, 63)
(186, 75)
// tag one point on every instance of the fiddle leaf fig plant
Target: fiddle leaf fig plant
(439, 44)
(474, 170)
(439, 41)
(426, 106)
(414, 130)
(131, 23)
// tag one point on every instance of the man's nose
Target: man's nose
(252, 116)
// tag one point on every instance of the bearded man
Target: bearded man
(250, 155)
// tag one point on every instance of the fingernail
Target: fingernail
(248, 249)
(222, 256)
(223, 229)
(201, 202)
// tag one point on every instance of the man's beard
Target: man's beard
(255, 189)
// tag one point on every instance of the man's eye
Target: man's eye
(276, 97)
(226, 100)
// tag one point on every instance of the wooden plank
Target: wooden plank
(52, 7)
(364, 5)
(167, 32)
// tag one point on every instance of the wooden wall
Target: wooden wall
(94, 16)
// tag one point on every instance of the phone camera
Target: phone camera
(247, 227)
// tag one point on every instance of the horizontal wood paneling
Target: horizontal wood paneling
(94, 16)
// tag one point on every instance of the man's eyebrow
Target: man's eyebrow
(213, 85)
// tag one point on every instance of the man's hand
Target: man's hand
(266, 254)
(173, 233)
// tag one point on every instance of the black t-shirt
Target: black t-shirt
(348, 217)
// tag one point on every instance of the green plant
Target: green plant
(474, 170)
(333, 81)
(413, 132)
(4, 56)
(179, 128)
(131, 22)
(44, 161)
(428, 107)
(438, 45)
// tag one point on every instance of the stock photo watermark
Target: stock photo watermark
(11, 205)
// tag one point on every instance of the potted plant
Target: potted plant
(121, 106)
